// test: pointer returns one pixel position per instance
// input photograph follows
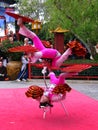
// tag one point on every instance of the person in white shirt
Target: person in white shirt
(23, 74)
(26, 41)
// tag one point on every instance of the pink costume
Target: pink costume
(57, 58)
(61, 79)
(56, 81)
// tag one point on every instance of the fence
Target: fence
(91, 73)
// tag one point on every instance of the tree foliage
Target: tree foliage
(31, 8)
(79, 16)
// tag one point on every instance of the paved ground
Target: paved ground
(88, 87)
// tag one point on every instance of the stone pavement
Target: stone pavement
(88, 87)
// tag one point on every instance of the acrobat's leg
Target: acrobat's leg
(62, 77)
(46, 52)
(26, 32)
(53, 78)
(63, 57)
(37, 42)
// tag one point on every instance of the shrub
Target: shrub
(6, 45)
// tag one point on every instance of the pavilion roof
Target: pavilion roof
(59, 30)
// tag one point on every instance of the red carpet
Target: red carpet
(17, 112)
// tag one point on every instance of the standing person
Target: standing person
(23, 74)
(26, 42)
(3, 58)
(13, 35)
(3, 72)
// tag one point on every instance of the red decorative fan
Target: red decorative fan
(76, 68)
(16, 16)
(28, 48)
(77, 48)
(46, 43)
(39, 65)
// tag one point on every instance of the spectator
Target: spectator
(3, 72)
(11, 39)
(26, 41)
(23, 74)
(12, 36)
(4, 58)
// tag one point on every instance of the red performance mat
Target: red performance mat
(17, 112)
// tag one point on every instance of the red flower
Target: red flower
(34, 91)
(77, 48)
(61, 89)
(46, 43)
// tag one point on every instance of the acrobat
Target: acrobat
(57, 58)
(55, 92)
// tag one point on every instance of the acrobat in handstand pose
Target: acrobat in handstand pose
(43, 52)
(56, 91)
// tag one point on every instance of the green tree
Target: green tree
(31, 8)
(79, 16)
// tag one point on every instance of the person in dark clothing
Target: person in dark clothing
(3, 72)
(13, 35)
(3, 58)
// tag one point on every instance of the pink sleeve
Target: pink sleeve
(49, 53)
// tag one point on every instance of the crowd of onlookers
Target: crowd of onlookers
(25, 59)
(23, 74)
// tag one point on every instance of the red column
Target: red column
(59, 42)
(29, 70)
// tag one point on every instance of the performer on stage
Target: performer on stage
(56, 91)
(43, 52)
(57, 58)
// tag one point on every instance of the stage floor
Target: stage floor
(88, 87)
(18, 112)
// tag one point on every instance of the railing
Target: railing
(91, 73)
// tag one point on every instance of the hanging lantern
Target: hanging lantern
(36, 25)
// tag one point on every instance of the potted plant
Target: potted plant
(14, 59)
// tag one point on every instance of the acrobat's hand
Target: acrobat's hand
(44, 70)
(20, 22)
